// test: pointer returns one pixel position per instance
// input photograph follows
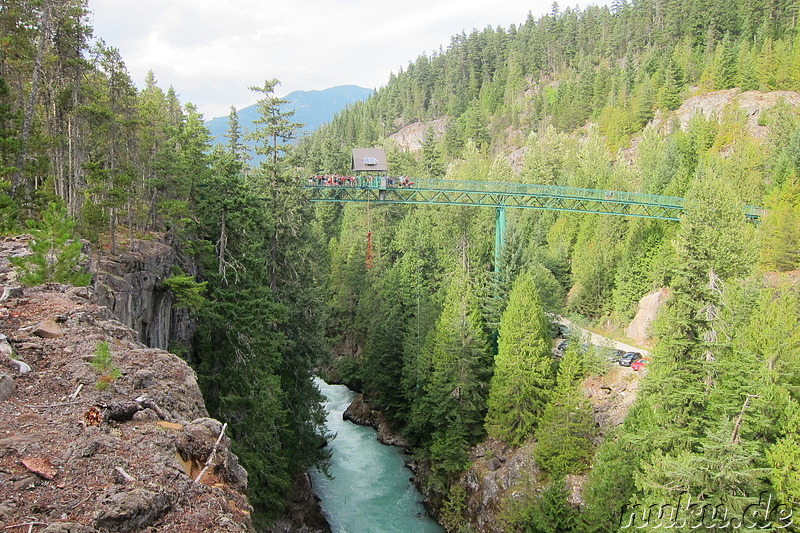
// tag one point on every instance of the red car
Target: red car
(639, 364)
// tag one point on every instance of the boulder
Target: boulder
(198, 441)
(7, 387)
(48, 329)
(11, 292)
(361, 413)
(131, 511)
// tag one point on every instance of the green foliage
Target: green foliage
(609, 486)
(565, 435)
(635, 274)
(104, 366)
(453, 509)
(780, 230)
(784, 458)
(260, 331)
(523, 371)
(189, 294)
(55, 251)
(547, 513)
(574, 86)
(455, 395)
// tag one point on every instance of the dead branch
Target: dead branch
(29, 524)
(212, 455)
(146, 402)
(735, 434)
(74, 395)
(124, 474)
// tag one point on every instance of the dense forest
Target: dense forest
(453, 348)
(456, 350)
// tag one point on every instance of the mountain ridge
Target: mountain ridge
(312, 109)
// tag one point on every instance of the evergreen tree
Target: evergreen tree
(523, 366)
(780, 230)
(272, 130)
(550, 512)
(234, 135)
(8, 150)
(260, 262)
(55, 251)
(725, 75)
(455, 396)
(431, 161)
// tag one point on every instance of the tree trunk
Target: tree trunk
(222, 245)
(16, 177)
(113, 228)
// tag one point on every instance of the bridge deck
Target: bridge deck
(501, 195)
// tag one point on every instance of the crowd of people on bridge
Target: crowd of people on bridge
(336, 180)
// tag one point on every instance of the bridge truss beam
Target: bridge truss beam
(606, 206)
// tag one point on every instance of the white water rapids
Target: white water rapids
(370, 490)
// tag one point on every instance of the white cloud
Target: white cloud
(211, 51)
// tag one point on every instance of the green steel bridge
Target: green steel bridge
(386, 190)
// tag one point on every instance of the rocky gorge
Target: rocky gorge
(125, 446)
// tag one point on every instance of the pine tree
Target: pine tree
(56, 252)
(725, 64)
(523, 366)
(780, 230)
(431, 161)
(272, 130)
(455, 396)
(234, 135)
(550, 512)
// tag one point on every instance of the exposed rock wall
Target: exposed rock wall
(649, 306)
(129, 284)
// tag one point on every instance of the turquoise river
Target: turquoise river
(369, 490)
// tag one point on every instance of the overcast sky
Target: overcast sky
(211, 51)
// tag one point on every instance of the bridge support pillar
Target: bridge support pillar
(499, 235)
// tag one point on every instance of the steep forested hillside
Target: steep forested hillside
(454, 351)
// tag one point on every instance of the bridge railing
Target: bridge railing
(493, 187)
(550, 190)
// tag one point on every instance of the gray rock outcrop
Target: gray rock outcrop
(360, 412)
(649, 305)
(130, 285)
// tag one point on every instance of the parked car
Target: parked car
(558, 330)
(639, 364)
(612, 355)
(628, 358)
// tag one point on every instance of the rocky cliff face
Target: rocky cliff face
(129, 284)
(84, 447)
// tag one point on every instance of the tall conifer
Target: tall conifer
(523, 372)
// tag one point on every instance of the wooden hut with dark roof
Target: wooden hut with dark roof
(369, 160)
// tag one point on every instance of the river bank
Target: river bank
(369, 488)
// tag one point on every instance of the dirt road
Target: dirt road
(599, 340)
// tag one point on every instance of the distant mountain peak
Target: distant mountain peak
(312, 108)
